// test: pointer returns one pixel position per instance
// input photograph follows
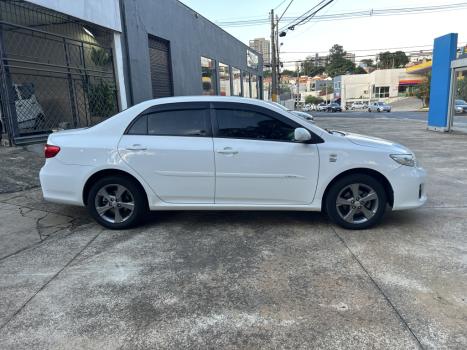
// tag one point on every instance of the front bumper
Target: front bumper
(408, 184)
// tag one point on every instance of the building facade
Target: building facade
(67, 64)
(262, 46)
(381, 85)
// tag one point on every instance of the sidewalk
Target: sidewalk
(19, 168)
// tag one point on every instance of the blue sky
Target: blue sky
(353, 34)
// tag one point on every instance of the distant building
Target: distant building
(263, 46)
(381, 85)
(350, 56)
(420, 56)
(319, 61)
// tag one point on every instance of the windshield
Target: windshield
(461, 102)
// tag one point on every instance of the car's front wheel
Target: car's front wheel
(117, 202)
(357, 201)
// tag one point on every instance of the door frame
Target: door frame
(456, 66)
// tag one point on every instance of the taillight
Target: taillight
(51, 151)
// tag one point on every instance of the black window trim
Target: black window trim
(178, 106)
(315, 139)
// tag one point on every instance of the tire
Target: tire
(117, 193)
(369, 110)
(342, 192)
(379, 110)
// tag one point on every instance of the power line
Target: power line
(280, 4)
(309, 17)
(351, 15)
(415, 49)
(283, 13)
(291, 19)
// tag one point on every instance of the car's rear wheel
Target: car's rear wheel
(117, 202)
(357, 201)
(369, 110)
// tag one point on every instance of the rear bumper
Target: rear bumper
(408, 184)
(63, 183)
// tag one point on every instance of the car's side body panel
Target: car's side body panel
(252, 174)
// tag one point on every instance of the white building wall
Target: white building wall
(360, 86)
(105, 13)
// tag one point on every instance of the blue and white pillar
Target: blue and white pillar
(444, 52)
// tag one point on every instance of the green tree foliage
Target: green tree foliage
(368, 62)
(308, 68)
(462, 88)
(289, 72)
(338, 64)
(313, 100)
(359, 70)
(102, 99)
(423, 91)
(389, 60)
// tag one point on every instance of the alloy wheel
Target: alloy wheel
(114, 203)
(357, 203)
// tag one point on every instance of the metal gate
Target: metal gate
(51, 81)
(161, 73)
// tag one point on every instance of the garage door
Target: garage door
(161, 74)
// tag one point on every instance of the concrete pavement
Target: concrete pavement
(244, 279)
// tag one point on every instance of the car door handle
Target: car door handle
(227, 150)
(136, 147)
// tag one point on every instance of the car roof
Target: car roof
(206, 98)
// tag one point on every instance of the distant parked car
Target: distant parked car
(358, 105)
(379, 107)
(306, 108)
(304, 115)
(460, 106)
(322, 107)
(334, 107)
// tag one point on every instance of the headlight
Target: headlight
(404, 159)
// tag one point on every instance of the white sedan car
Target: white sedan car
(226, 153)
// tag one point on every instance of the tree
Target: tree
(389, 60)
(368, 62)
(313, 100)
(423, 91)
(288, 72)
(360, 70)
(462, 88)
(309, 68)
(338, 64)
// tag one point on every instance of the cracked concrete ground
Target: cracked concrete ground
(244, 279)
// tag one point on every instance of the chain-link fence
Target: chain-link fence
(52, 81)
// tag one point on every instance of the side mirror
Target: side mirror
(302, 135)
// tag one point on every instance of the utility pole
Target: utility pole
(273, 60)
(278, 60)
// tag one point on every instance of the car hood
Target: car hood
(375, 142)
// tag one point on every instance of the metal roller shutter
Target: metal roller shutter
(161, 75)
